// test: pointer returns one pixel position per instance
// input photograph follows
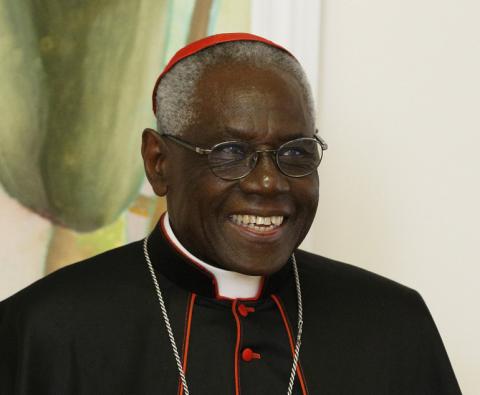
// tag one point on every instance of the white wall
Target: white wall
(294, 24)
(399, 105)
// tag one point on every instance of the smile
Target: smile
(257, 223)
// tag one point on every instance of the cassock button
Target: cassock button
(248, 355)
(245, 310)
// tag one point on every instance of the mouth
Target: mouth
(258, 225)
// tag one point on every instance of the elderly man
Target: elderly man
(218, 300)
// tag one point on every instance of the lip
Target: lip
(254, 236)
(262, 212)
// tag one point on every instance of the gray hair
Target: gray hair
(175, 93)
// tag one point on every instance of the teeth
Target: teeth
(257, 222)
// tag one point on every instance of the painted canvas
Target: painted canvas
(76, 85)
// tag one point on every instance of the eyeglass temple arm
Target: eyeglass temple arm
(203, 151)
(191, 147)
(322, 142)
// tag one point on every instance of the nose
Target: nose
(265, 178)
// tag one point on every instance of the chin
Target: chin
(257, 266)
(252, 251)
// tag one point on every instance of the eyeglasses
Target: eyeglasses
(233, 160)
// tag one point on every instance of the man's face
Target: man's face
(265, 108)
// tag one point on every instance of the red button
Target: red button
(248, 355)
(244, 310)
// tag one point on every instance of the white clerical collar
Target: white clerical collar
(230, 284)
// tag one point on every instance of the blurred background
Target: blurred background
(397, 90)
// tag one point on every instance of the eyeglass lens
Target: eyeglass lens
(234, 160)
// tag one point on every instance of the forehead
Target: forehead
(249, 102)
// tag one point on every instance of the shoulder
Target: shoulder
(348, 299)
(362, 316)
(79, 286)
(348, 286)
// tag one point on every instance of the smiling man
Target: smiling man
(218, 299)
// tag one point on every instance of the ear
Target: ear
(154, 153)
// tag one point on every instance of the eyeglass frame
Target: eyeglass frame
(273, 152)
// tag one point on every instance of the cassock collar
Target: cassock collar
(171, 259)
(231, 285)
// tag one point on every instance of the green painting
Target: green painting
(77, 77)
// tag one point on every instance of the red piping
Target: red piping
(208, 273)
(237, 347)
(165, 233)
(276, 299)
(186, 341)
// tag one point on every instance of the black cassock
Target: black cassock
(95, 327)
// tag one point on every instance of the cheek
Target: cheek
(189, 177)
(185, 189)
(307, 194)
(207, 194)
(189, 169)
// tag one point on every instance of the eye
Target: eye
(230, 151)
(293, 151)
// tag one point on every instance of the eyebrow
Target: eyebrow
(231, 133)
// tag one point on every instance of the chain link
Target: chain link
(165, 318)
(181, 373)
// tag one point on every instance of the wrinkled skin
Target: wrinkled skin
(238, 102)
